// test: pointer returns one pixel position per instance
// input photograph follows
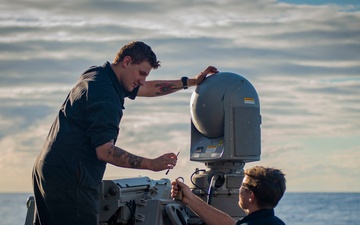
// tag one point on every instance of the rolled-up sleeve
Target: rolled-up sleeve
(103, 119)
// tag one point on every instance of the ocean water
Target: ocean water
(13, 208)
(294, 208)
(319, 208)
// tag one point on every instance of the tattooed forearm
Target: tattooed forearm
(123, 158)
(117, 154)
(135, 161)
(166, 88)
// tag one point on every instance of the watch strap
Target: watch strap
(185, 82)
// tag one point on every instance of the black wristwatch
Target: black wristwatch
(184, 82)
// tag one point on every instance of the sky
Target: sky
(302, 57)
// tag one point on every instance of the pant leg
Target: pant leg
(88, 205)
(60, 201)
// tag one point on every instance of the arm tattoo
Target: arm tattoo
(135, 161)
(166, 88)
(122, 157)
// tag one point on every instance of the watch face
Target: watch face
(184, 82)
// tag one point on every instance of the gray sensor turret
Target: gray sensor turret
(225, 120)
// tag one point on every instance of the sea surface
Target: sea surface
(293, 209)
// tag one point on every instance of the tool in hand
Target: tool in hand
(169, 169)
(179, 196)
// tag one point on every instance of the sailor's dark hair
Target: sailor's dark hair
(139, 52)
(267, 184)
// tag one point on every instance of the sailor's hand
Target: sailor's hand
(166, 161)
(180, 191)
(201, 76)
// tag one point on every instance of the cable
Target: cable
(211, 189)
(129, 204)
(194, 183)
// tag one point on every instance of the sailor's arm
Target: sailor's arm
(209, 214)
(155, 88)
(114, 155)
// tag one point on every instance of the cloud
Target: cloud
(303, 60)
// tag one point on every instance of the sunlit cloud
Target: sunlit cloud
(303, 60)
